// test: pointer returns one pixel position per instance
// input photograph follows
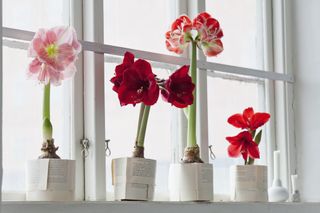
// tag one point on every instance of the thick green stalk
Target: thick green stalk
(143, 126)
(142, 107)
(192, 140)
(46, 126)
(46, 102)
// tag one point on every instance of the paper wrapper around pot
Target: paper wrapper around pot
(249, 183)
(191, 182)
(50, 180)
(133, 178)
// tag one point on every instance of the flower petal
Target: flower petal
(234, 150)
(34, 66)
(247, 114)
(238, 121)
(253, 150)
(212, 48)
(259, 119)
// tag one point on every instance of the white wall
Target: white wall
(306, 63)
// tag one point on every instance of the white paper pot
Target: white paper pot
(133, 178)
(249, 183)
(50, 180)
(191, 182)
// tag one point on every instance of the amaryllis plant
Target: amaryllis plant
(205, 33)
(54, 51)
(246, 142)
(135, 83)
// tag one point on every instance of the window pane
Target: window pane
(121, 127)
(22, 118)
(34, 14)
(241, 22)
(137, 24)
(236, 96)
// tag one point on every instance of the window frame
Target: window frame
(90, 183)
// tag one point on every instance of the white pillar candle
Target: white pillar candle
(276, 165)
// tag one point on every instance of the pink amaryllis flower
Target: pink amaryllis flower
(179, 35)
(209, 34)
(248, 119)
(178, 89)
(243, 144)
(54, 51)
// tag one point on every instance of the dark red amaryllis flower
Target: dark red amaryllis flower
(248, 119)
(138, 85)
(178, 89)
(243, 144)
(128, 60)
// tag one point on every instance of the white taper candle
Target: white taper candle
(276, 165)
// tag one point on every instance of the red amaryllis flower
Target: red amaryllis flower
(178, 37)
(138, 85)
(178, 89)
(243, 144)
(128, 60)
(248, 119)
(209, 34)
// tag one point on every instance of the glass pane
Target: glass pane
(241, 22)
(121, 127)
(236, 96)
(34, 14)
(137, 24)
(22, 118)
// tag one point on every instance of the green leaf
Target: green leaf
(257, 139)
(250, 161)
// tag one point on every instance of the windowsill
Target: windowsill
(157, 207)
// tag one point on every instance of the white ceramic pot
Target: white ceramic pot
(191, 182)
(249, 183)
(50, 180)
(133, 178)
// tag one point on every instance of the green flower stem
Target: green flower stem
(46, 102)
(46, 126)
(142, 107)
(143, 126)
(192, 140)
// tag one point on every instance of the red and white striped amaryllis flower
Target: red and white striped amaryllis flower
(208, 36)
(180, 34)
(54, 51)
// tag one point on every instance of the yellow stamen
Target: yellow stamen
(52, 50)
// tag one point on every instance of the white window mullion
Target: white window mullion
(77, 108)
(266, 8)
(283, 99)
(95, 183)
